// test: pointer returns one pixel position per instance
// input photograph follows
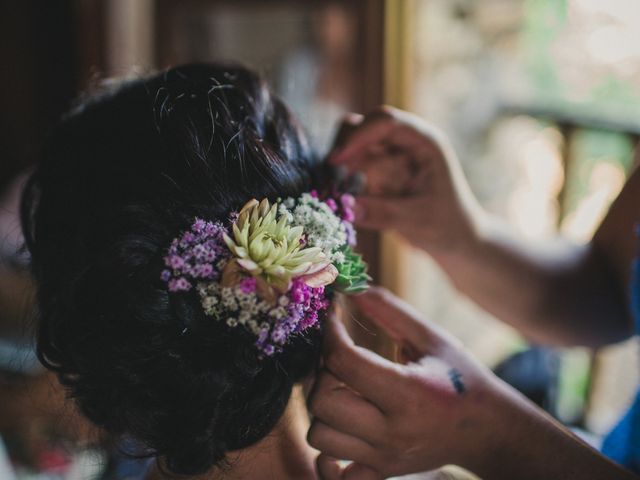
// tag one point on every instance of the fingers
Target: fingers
(388, 126)
(340, 445)
(329, 468)
(340, 408)
(350, 123)
(373, 129)
(377, 379)
(399, 320)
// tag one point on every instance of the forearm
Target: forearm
(528, 444)
(554, 292)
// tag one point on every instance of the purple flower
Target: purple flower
(348, 203)
(348, 215)
(199, 225)
(206, 270)
(309, 320)
(191, 255)
(279, 335)
(347, 200)
(331, 203)
(213, 230)
(176, 262)
(199, 251)
(269, 350)
(306, 304)
(179, 285)
(248, 285)
(299, 292)
(351, 234)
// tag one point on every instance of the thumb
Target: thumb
(350, 123)
(403, 323)
(329, 468)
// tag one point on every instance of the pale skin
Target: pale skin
(441, 406)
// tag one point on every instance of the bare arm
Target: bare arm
(555, 291)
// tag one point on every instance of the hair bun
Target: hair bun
(121, 176)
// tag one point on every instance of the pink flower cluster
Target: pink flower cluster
(195, 256)
(344, 208)
(304, 305)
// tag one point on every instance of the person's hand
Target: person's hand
(439, 407)
(413, 180)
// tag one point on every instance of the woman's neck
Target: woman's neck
(282, 454)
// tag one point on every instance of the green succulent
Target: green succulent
(352, 273)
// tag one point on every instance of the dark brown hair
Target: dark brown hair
(123, 174)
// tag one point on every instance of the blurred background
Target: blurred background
(540, 97)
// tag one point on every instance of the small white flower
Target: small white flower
(253, 326)
(209, 302)
(283, 301)
(244, 317)
(278, 313)
(232, 322)
(322, 227)
(338, 257)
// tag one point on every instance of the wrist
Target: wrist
(523, 442)
(508, 433)
(465, 242)
(502, 422)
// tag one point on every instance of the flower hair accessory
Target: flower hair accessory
(271, 270)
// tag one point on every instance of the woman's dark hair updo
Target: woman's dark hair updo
(123, 174)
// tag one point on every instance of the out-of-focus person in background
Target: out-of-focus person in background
(441, 406)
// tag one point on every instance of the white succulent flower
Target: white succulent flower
(269, 248)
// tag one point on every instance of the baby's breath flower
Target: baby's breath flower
(322, 227)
